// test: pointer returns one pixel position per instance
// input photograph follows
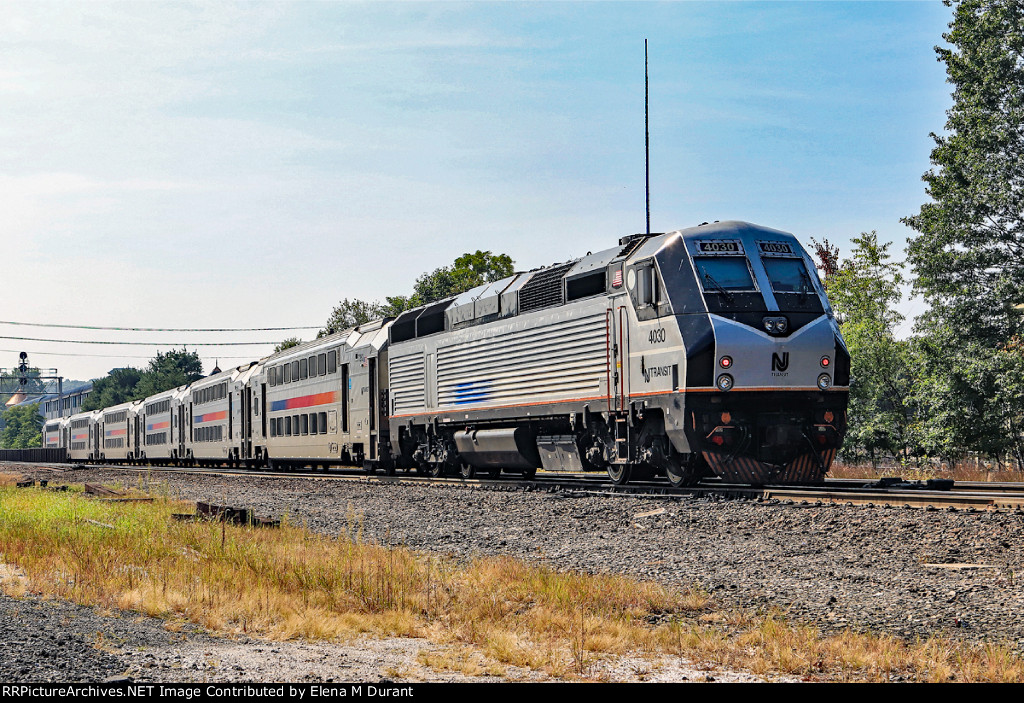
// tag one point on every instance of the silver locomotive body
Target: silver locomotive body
(707, 349)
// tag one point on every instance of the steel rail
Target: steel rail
(973, 496)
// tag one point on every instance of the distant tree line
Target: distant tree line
(164, 372)
(956, 385)
(23, 427)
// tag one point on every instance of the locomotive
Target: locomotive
(710, 350)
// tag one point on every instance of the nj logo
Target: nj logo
(780, 363)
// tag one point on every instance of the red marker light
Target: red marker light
(825, 361)
(725, 362)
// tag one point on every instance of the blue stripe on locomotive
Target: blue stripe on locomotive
(472, 392)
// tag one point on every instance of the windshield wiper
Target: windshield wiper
(806, 286)
(719, 288)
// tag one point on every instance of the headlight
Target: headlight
(724, 382)
(781, 325)
(824, 381)
(769, 324)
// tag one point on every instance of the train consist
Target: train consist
(705, 351)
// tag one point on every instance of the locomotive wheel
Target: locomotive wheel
(620, 473)
(529, 474)
(467, 471)
(682, 473)
(435, 469)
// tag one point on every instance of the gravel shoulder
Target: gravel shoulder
(911, 573)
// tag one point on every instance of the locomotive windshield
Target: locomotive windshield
(724, 274)
(788, 275)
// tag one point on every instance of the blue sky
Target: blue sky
(249, 165)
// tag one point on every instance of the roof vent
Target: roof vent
(544, 289)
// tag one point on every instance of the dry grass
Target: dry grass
(963, 471)
(464, 660)
(487, 615)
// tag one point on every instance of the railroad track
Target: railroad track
(928, 495)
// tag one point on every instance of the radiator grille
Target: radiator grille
(544, 289)
(407, 382)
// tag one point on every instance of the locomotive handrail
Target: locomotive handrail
(609, 317)
(622, 355)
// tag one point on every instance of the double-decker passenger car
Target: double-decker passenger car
(211, 417)
(159, 426)
(52, 433)
(321, 399)
(117, 428)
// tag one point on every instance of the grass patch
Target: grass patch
(487, 614)
(962, 471)
(7, 479)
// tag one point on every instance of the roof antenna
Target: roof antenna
(647, 142)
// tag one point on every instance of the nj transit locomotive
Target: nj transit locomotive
(709, 350)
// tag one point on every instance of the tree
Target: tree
(485, 266)
(349, 313)
(169, 370)
(23, 427)
(968, 253)
(468, 271)
(864, 290)
(827, 255)
(119, 386)
(395, 305)
(165, 371)
(287, 344)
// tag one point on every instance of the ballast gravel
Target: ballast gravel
(908, 572)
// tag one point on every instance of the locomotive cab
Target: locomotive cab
(767, 371)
